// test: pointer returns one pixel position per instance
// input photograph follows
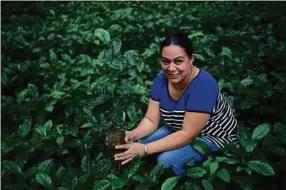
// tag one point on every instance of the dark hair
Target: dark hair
(179, 39)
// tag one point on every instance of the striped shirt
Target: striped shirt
(202, 95)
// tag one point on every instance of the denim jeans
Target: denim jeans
(176, 158)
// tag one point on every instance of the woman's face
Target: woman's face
(176, 64)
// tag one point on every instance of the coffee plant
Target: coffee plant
(73, 71)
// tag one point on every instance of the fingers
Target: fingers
(128, 160)
(123, 156)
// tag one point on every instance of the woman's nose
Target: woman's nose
(171, 67)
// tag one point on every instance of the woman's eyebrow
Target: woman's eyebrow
(179, 57)
(174, 59)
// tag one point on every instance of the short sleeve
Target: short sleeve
(203, 95)
(156, 88)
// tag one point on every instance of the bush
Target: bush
(73, 70)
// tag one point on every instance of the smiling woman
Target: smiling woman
(189, 101)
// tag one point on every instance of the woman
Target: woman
(189, 101)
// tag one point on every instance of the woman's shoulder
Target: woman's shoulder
(160, 76)
(159, 79)
(205, 78)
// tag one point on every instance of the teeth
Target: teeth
(173, 76)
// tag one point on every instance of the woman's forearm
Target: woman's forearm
(172, 141)
(145, 127)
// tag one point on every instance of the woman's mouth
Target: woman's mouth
(173, 76)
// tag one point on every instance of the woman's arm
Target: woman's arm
(192, 126)
(149, 123)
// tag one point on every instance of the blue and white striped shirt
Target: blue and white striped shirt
(202, 95)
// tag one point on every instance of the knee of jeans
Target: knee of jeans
(168, 161)
(165, 159)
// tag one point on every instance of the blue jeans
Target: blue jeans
(176, 158)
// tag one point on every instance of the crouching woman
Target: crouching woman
(190, 103)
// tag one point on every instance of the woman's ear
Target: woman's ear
(192, 58)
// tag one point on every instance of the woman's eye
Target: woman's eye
(179, 61)
(165, 62)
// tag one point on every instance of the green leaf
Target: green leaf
(139, 89)
(207, 184)
(53, 56)
(207, 163)
(85, 164)
(249, 145)
(12, 167)
(31, 172)
(101, 185)
(103, 35)
(226, 51)
(139, 178)
(74, 183)
(196, 172)
(117, 183)
(24, 129)
(156, 172)
(57, 94)
(195, 34)
(52, 12)
(209, 52)
(191, 163)
(34, 90)
(66, 58)
(48, 125)
(45, 166)
(200, 147)
(86, 125)
(223, 174)
(101, 166)
(261, 167)
(134, 168)
(226, 160)
(131, 112)
(116, 46)
(170, 183)
(260, 131)
(44, 179)
(22, 95)
(50, 106)
(245, 139)
(140, 66)
(190, 185)
(60, 140)
(62, 188)
(200, 57)
(213, 167)
(131, 56)
(60, 172)
(247, 81)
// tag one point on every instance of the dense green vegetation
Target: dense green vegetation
(71, 71)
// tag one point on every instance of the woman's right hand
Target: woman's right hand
(129, 136)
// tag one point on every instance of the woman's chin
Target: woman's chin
(174, 80)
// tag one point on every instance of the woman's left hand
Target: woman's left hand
(133, 149)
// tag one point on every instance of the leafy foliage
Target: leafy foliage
(71, 71)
